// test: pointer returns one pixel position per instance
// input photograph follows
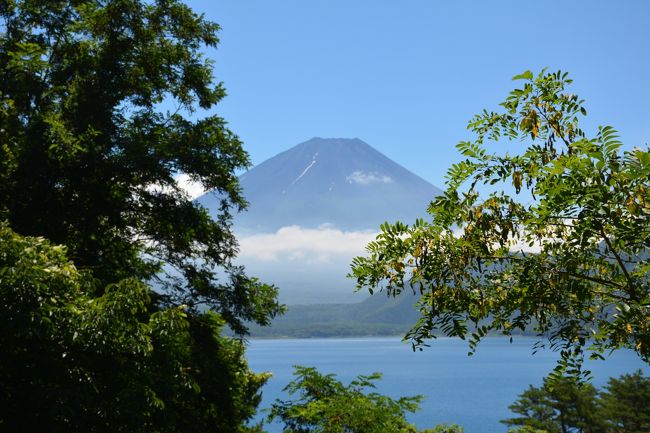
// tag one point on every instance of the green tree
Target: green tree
(72, 361)
(563, 404)
(88, 156)
(625, 404)
(325, 405)
(560, 405)
(553, 236)
(526, 429)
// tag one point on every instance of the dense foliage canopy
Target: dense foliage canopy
(88, 155)
(553, 237)
(91, 218)
(75, 362)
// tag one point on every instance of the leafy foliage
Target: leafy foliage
(88, 158)
(75, 362)
(564, 405)
(325, 405)
(561, 244)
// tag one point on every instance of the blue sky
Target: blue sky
(406, 76)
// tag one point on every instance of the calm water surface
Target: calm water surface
(471, 391)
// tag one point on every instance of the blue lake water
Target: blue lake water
(473, 392)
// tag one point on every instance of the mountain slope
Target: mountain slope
(337, 181)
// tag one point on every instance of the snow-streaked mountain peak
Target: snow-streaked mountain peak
(338, 181)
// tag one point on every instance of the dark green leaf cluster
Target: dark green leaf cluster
(325, 405)
(75, 362)
(560, 245)
(563, 405)
(88, 159)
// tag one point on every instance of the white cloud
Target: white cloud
(193, 189)
(324, 244)
(183, 181)
(365, 178)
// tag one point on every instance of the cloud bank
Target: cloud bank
(318, 246)
(324, 244)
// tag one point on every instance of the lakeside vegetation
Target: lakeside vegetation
(322, 403)
(563, 404)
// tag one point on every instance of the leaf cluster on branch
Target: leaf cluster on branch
(554, 237)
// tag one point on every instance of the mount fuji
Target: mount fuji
(313, 208)
(339, 182)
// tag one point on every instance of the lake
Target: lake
(473, 392)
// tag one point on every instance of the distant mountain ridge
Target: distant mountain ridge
(376, 315)
(338, 181)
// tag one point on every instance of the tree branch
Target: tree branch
(630, 283)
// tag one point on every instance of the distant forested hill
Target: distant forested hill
(376, 315)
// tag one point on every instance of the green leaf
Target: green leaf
(527, 75)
